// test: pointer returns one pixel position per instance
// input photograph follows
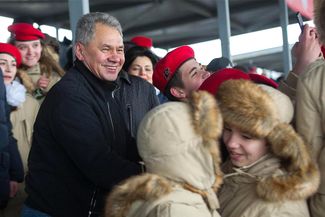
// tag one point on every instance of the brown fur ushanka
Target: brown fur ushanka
(249, 108)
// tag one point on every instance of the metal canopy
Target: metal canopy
(169, 23)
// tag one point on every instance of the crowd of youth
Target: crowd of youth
(123, 132)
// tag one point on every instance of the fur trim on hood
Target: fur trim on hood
(208, 123)
(249, 108)
(143, 187)
(319, 19)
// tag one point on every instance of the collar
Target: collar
(124, 76)
(256, 171)
(34, 70)
(95, 81)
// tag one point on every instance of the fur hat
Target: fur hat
(319, 19)
(249, 108)
(283, 104)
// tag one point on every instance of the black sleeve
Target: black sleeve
(77, 127)
(3, 115)
(16, 169)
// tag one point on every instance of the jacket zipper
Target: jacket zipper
(111, 120)
(92, 204)
(129, 111)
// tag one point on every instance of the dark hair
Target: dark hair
(137, 51)
(175, 81)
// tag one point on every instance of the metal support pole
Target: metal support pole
(224, 27)
(287, 64)
(77, 8)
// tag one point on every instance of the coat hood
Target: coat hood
(248, 107)
(178, 144)
(143, 187)
(178, 140)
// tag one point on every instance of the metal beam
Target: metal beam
(224, 27)
(196, 7)
(287, 65)
(77, 8)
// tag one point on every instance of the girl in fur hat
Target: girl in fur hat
(39, 71)
(269, 171)
(178, 144)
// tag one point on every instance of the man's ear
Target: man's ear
(178, 92)
(79, 51)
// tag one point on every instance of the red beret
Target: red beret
(212, 83)
(261, 79)
(11, 50)
(167, 66)
(25, 32)
(142, 41)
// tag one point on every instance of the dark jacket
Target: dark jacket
(80, 147)
(3, 115)
(11, 167)
(137, 97)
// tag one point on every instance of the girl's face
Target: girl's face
(142, 67)
(30, 51)
(243, 149)
(8, 66)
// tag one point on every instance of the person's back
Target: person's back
(11, 165)
(151, 195)
(310, 123)
(305, 86)
(178, 144)
(23, 110)
(4, 141)
(3, 117)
